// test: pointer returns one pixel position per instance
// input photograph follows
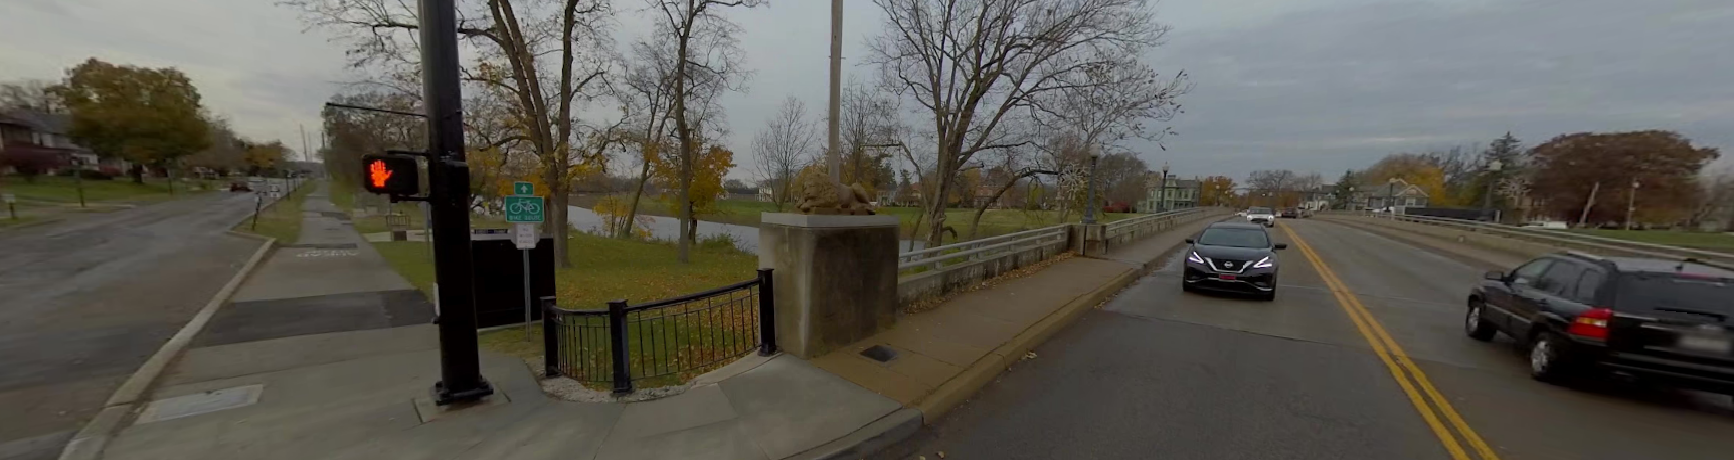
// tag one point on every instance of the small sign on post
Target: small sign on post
(524, 209)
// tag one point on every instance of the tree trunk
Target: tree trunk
(626, 226)
(137, 173)
(936, 208)
(982, 209)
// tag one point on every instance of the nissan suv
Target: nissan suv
(1655, 319)
(1233, 257)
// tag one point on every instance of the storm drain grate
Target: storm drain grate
(321, 246)
(880, 353)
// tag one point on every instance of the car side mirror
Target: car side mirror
(1280, 246)
(1493, 275)
(1188, 241)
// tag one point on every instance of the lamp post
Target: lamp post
(1090, 193)
(1632, 203)
(1492, 178)
(1391, 195)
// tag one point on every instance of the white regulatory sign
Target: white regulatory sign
(524, 235)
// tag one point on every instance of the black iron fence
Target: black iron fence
(661, 342)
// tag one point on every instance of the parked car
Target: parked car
(1547, 224)
(1261, 215)
(1233, 257)
(239, 186)
(1582, 315)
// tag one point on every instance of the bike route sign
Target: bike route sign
(523, 207)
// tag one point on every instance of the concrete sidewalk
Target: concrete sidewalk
(362, 394)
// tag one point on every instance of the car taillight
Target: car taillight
(1593, 323)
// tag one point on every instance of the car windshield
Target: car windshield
(1664, 292)
(1237, 237)
(1258, 211)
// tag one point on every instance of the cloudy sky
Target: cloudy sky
(1320, 85)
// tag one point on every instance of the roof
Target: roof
(1235, 224)
(1657, 265)
(41, 121)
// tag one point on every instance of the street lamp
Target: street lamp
(1492, 178)
(1090, 193)
(1632, 203)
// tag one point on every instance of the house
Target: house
(1320, 197)
(1173, 193)
(27, 133)
(1395, 192)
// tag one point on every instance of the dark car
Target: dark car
(1580, 314)
(1291, 213)
(1233, 257)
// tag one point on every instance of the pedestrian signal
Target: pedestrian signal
(395, 175)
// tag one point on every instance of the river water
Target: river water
(667, 228)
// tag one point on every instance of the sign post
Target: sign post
(11, 205)
(524, 210)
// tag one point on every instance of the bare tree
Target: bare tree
(509, 39)
(706, 50)
(868, 118)
(30, 94)
(1717, 194)
(977, 67)
(780, 146)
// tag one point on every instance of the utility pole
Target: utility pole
(832, 154)
(1090, 194)
(1492, 179)
(1632, 203)
(1591, 203)
(448, 199)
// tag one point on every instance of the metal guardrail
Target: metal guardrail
(938, 256)
(675, 337)
(1567, 238)
(1120, 227)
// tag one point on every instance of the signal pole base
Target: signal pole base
(443, 397)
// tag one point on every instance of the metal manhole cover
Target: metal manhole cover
(200, 403)
(880, 353)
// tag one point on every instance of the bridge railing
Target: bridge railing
(1572, 240)
(1128, 230)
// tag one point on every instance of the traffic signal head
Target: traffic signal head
(395, 175)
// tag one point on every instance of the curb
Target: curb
(983, 371)
(890, 429)
(89, 442)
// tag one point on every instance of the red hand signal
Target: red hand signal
(378, 174)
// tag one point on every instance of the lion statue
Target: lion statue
(819, 194)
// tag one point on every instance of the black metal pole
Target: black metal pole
(550, 343)
(449, 192)
(1090, 194)
(619, 352)
(767, 313)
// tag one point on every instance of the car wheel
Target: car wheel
(1476, 325)
(1548, 361)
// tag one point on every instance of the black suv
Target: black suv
(1664, 320)
(1232, 256)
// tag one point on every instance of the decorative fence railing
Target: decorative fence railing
(1567, 239)
(660, 342)
(1128, 230)
(932, 272)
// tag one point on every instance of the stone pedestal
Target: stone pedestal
(835, 277)
(1088, 240)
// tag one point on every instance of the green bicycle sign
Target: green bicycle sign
(520, 208)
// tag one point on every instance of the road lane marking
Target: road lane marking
(1398, 363)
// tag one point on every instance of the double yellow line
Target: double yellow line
(1402, 368)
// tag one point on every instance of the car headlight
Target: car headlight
(1264, 263)
(1193, 257)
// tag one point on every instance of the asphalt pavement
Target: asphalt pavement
(85, 301)
(1158, 373)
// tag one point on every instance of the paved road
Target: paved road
(1158, 373)
(85, 301)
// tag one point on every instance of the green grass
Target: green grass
(65, 189)
(605, 269)
(342, 194)
(280, 220)
(1715, 241)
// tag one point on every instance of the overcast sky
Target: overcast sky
(1321, 85)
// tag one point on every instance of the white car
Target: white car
(1261, 215)
(1547, 224)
